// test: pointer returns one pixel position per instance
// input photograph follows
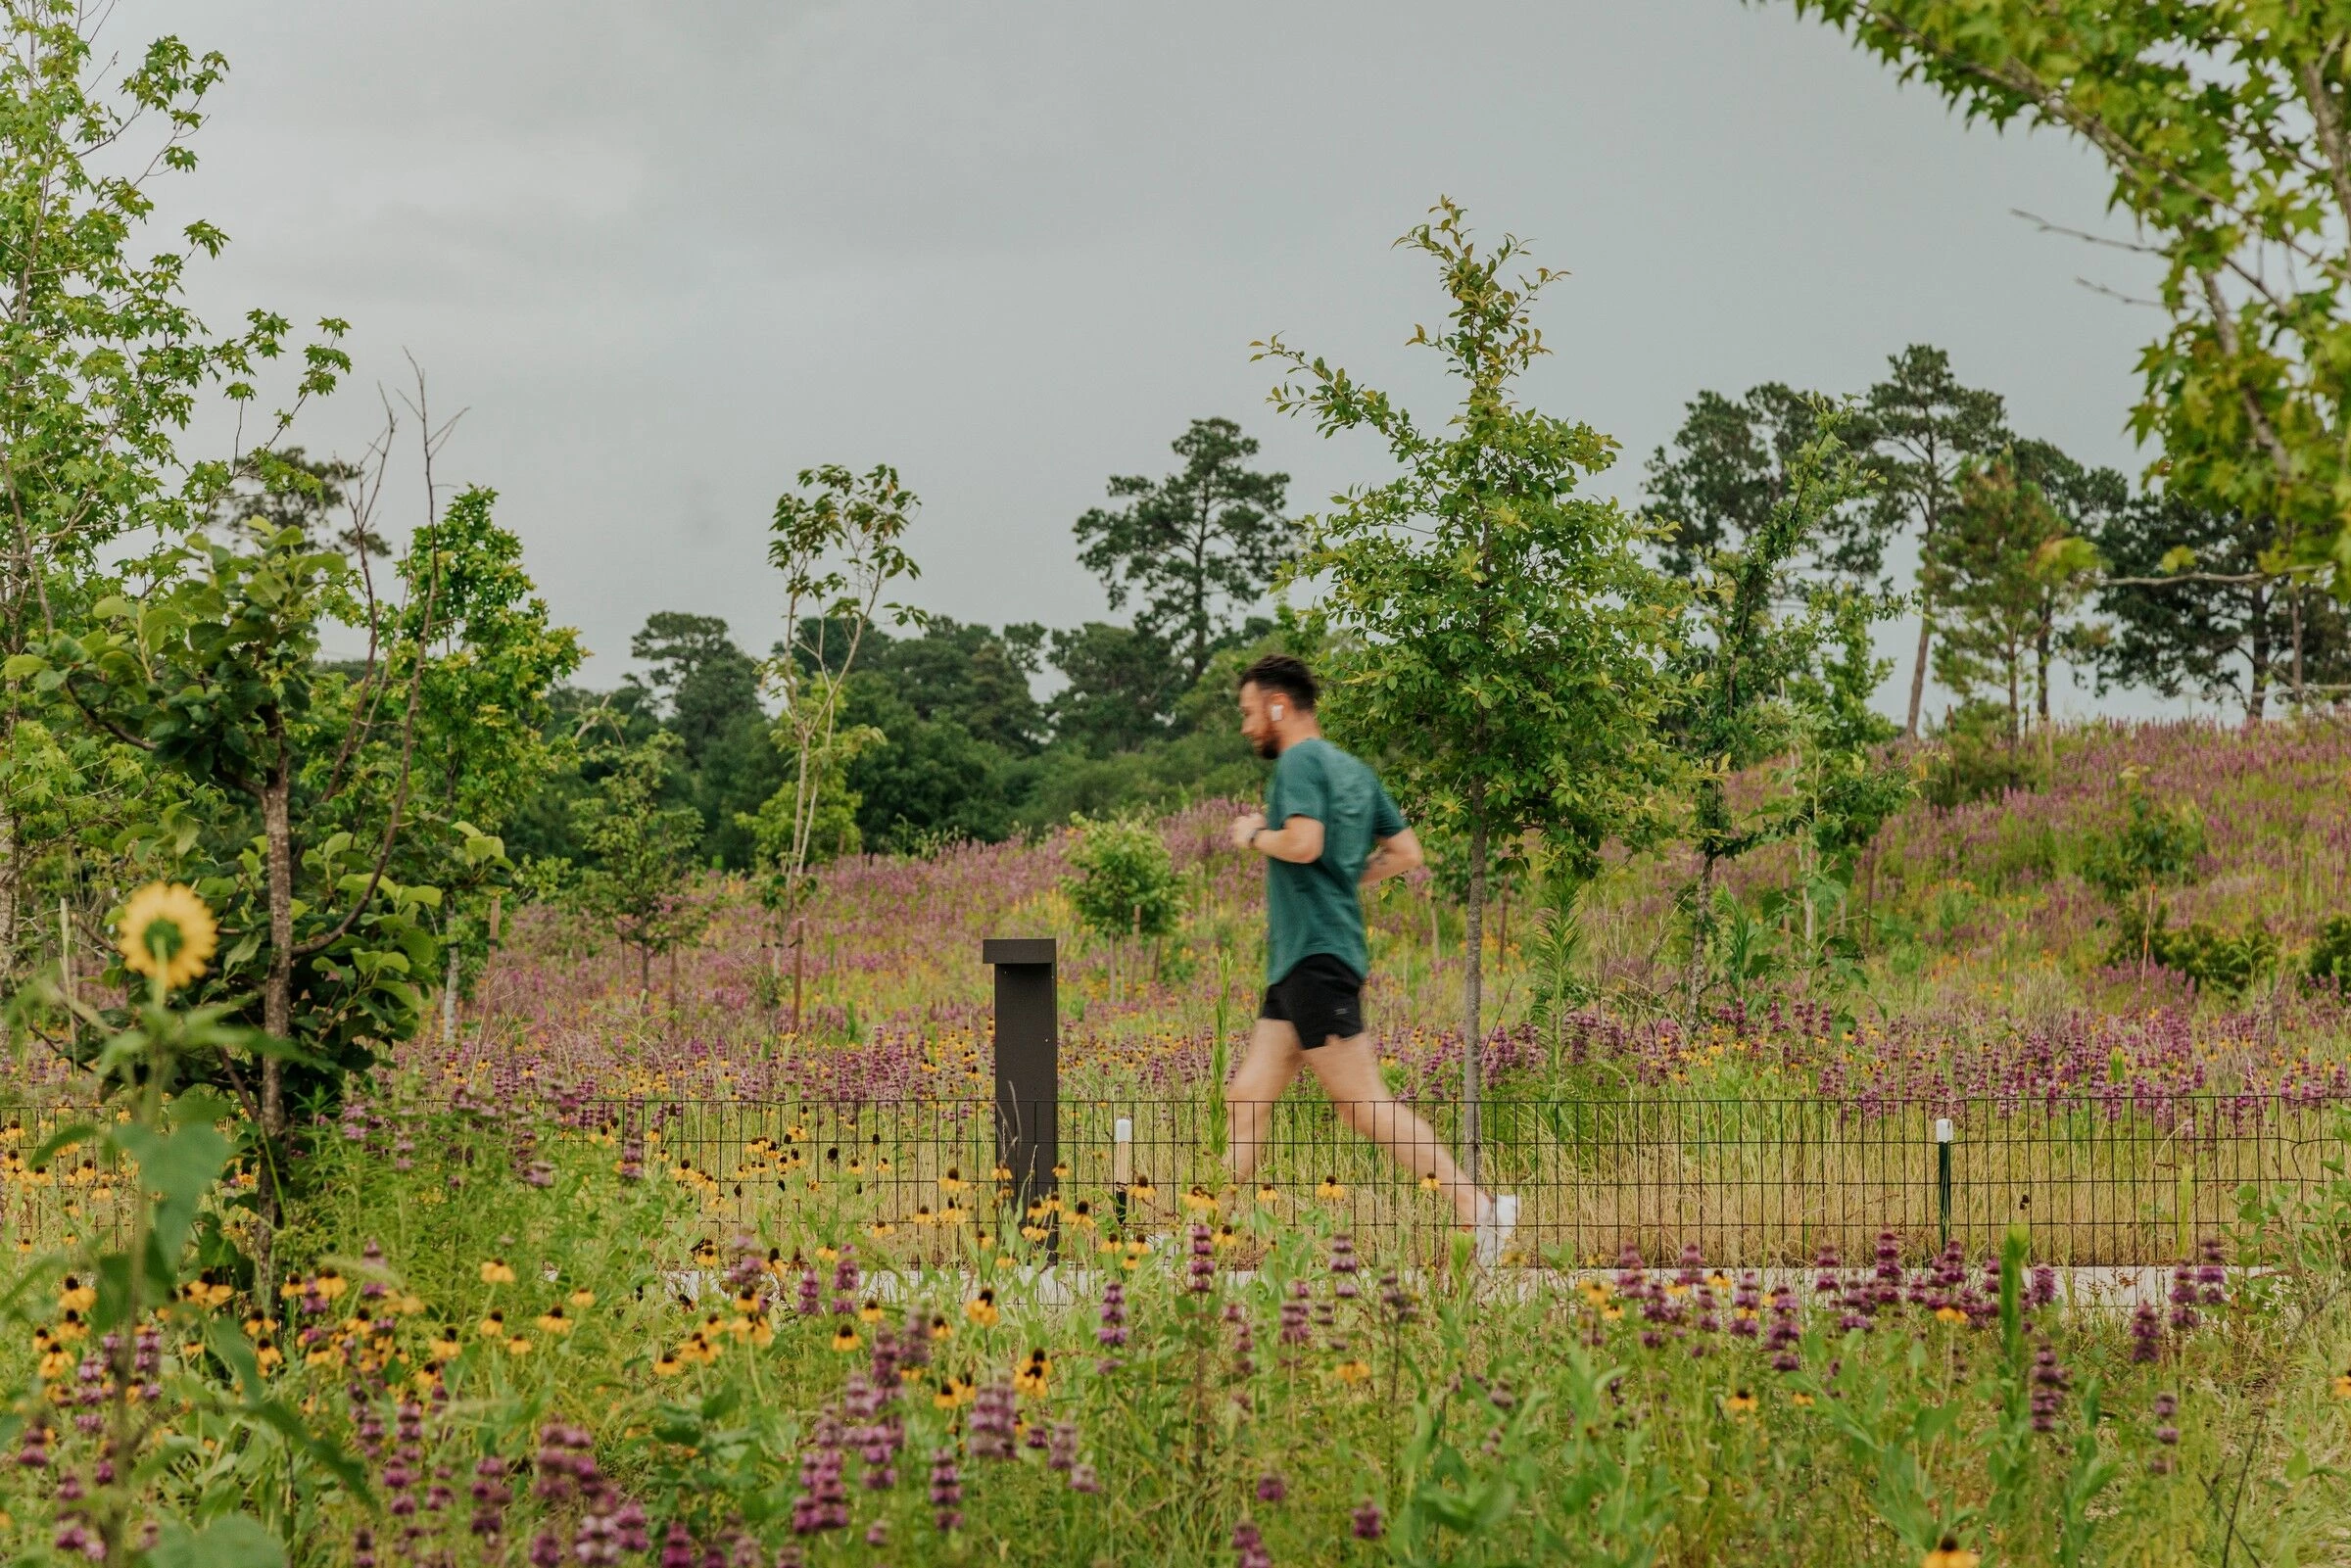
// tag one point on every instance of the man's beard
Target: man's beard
(1269, 748)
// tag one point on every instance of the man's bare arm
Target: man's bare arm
(1298, 840)
(1393, 857)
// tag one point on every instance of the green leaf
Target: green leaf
(237, 1541)
(345, 1468)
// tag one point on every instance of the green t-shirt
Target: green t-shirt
(1315, 908)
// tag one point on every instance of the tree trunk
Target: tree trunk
(277, 991)
(2016, 725)
(1918, 669)
(2300, 696)
(1701, 931)
(2257, 689)
(1473, 977)
(2041, 656)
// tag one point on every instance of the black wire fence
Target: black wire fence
(1749, 1182)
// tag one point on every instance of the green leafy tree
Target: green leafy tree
(2227, 131)
(2007, 571)
(2205, 600)
(297, 790)
(1919, 427)
(640, 880)
(703, 684)
(707, 691)
(839, 541)
(103, 365)
(1498, 641)
(1199, 547)
(1123, 688)
(1754, 684)
(968, 675)
(300, 492)
(923, 782)
(835, 831)
(1728, 467)
(1121, 879)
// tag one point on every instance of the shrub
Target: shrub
(2211, 957)
(1977, 761)
(1125, 880)
(2330, 955)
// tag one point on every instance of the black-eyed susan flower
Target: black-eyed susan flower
(881, 1231)
(871, 1311)
(952, 1181)
(941, 1328)
(1267, 1194)
(1802, 1402)
(1141, 1190)
(492, 1326)
(330, 1285)
(2342, 1385)
(982, 1310)
(1738, 1403)
(553, 1322)
(1948, 1313)
(1081, 1215)
(496, 1272)
(1948, 1554)
(667, 1364)
(1032, 1378)
(72, 1295)
(1199, 1199)
(268, 1357)
(844, 1338)
(1352, 1370)
(167, 934)
(444, 1346)
(582, 1300)
(518, 1346)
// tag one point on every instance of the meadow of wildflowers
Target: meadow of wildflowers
(610, 1278)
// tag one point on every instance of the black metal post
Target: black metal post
(1028, 1068)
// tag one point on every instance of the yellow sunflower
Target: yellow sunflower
(167, 934)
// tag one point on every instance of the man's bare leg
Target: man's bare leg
(1349, 1071)
(1264, 1072)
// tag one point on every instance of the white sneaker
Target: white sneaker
(1494, 1229)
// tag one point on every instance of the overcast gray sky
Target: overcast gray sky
(668, 254)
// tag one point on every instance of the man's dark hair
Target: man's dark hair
(1283, 673)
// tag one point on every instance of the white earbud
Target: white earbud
(1275, 711)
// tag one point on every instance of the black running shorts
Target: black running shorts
(1322, 998)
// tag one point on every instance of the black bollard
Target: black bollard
(1028, 1068)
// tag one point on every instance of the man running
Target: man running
(1328, 829)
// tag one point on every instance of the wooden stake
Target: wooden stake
(799, 951)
